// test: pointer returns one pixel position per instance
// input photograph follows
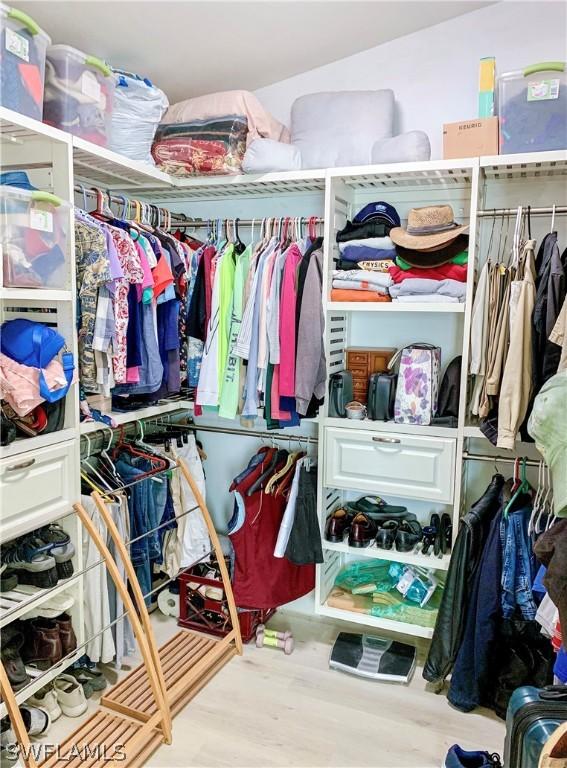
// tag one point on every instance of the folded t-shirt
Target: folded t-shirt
(445, 271)
(364, 253)
(416, 286)
(342, 294)
(362, 285)
(380, 243)
(362, 276)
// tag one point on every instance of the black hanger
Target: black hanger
(239, 246)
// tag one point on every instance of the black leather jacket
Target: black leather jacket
(467, 551)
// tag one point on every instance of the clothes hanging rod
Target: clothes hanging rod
(546, 211)
(251, 433)
(498, 459)
(201, 223)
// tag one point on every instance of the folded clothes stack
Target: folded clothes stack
(366, 253)
(431, 257)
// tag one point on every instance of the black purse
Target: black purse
(340, 393)
(381, 396)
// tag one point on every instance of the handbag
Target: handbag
(381, 396)
(417, 389)
(340, 393)
(36, 344)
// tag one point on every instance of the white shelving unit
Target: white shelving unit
(467, 184)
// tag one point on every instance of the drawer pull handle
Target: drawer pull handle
(21, 465)
(386, 439)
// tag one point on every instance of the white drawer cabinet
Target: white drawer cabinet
(390, 463)
(36, 488)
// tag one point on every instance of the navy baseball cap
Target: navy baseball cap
(378, 212)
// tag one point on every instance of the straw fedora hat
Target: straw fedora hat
(431, 227)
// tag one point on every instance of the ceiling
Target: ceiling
(190, 48)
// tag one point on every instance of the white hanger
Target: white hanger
(553, 218)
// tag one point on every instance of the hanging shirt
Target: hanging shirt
(228, 403)
(287, 322)
(226, 288)
(208, 389)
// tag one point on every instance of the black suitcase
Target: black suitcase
(533, 715)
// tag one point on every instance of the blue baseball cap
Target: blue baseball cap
(378, 212)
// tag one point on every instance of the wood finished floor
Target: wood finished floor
(270, 710)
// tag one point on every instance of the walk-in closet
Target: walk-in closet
(283, 384)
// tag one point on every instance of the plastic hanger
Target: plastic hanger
(524, 487)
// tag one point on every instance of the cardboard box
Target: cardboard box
(470, 138)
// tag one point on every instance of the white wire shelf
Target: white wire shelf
(375, 553)
(533, 165)
(251, 185)
(16, 128)
(109, 170)
(431, 173)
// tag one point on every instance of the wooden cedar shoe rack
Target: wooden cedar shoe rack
(136, 713)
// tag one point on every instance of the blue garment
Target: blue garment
(168, 516)
(560, 668)
(239, 513)
(141, 506)
(519, 566)
(472, 671)
(134, 330)
(356, 253)
(151, 369)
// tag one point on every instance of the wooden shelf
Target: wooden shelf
(399, 627)
(188, 660)
(375, 553)
(393, 306)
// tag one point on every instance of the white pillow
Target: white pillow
(266, 155)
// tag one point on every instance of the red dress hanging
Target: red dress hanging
(260, 579)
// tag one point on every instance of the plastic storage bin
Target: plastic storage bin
(78, 94)
(22, 62)
(34, 229)
(137, 110)
(532, 108)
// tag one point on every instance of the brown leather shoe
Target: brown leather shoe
(363, 531)
(66, 633)
(338, 523)
(42, 646)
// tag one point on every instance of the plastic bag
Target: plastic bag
(213, 146)
(138, 109)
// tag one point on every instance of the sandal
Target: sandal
(374, 505)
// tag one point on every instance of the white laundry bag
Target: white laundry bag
(138, 108)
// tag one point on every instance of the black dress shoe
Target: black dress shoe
(387, 534)
(446, 533)
(362, 531)
(408, 536)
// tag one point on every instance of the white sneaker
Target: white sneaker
(36, 720)
(47, 699)
(70, 696)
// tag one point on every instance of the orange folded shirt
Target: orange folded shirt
(344, 294)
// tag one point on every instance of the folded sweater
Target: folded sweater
(419, 286)
(382, 279)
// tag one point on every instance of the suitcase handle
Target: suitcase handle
(554, 693)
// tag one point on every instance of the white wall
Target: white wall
(434, 73)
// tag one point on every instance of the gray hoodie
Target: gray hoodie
(310, 367)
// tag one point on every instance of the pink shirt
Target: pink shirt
(287, 322)
(19, 384)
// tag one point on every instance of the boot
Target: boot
(11, 641)
(42, 646)
(66, 633)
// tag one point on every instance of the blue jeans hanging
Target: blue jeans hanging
(518, 565)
